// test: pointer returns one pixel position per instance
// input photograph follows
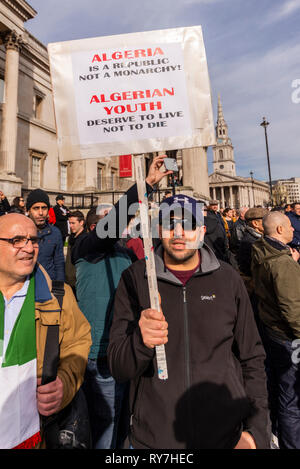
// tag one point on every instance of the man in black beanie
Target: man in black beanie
(51, 255)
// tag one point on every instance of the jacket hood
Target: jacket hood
(43, 284)
(253, 232)
(209, 263)
(263, 251)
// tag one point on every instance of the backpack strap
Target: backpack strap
(51, 353)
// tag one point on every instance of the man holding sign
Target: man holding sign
(99, 264)
(215, 395)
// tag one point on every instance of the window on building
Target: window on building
(113, 179)
(223, 131)
(63, 177)
(221, 166)
(100, 172)
(37, 160)
(221, 154)
(37, 106)
(2, 84)
(220, 132)
(36, 172)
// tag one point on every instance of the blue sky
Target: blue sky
(253, 51)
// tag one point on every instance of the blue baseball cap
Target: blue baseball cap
(181, 203)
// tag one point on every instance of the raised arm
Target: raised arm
(110, 228)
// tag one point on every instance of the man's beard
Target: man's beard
(180, 257)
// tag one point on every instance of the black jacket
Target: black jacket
(116, 221)
(4, 206)
(61, 219)
(215, 236)
(15, 209)
(237, 234)
(216, 384)
(245, 250)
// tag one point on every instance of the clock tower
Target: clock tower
(223, 161)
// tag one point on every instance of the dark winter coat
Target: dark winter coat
(216, 385)
(237, 234)
(245, 250)
(215, 236)
(276, 278)
(4, 206)
(51, 255)
(295, 221)
(61, 220)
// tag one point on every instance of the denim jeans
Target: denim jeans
(284, 390)
(108, 406)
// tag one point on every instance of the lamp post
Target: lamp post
(265, 125)
(252, 181)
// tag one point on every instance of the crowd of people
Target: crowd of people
(229, 319)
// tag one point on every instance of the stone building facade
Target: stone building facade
(28, 141)
(225, 186)
(286, 191)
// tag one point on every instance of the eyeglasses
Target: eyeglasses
(19, 242)
(188, 224)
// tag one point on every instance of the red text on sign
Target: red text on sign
(126, 95)
(127, 54)
(120, 109)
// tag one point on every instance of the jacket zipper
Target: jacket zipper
(186, 340)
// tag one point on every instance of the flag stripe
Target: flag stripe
(22, 343)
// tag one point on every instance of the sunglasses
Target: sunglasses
(187, 224)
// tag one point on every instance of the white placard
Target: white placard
(132, 93)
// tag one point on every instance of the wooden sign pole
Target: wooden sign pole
(149, 257)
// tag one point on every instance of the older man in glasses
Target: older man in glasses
(27, 308)
(215, 395)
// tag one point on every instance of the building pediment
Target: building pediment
(215, 178)
(220, 177)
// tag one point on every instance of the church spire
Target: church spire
(223, 150)
(221, 120)
(221, 123)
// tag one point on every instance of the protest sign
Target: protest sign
(131, 94)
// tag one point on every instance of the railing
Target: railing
(86, 200)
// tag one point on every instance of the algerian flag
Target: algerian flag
(19, 418)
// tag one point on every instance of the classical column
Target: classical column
(222, 197)
(243, 204)
(12, 42)
(243, 196)
(214, 193)
(230, 197)
(240, 196)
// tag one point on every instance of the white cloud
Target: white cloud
(287, 9)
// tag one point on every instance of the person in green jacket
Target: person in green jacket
(276, 277)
